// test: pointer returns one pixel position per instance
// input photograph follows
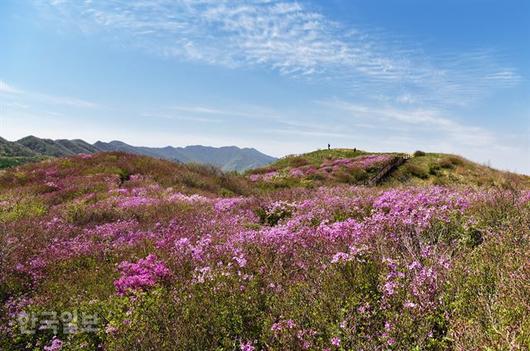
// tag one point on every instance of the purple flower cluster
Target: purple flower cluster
(140, 275)
(361, 162)
(227, 204)
(55, 345)
(299, 242)
(329, 168)
(265, 177)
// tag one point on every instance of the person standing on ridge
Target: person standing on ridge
(329, 147)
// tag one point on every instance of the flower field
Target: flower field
(361, 166)
(121, 252)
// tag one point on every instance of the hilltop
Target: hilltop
(359, 167)
(8, 148)
(88, 172)
(228, 158)
(318, 168)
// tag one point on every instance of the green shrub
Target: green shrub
(25, 208)
(272, 216)
(298, 161)
(416, 171)
(450, 162)
(441, 180)
(353, 176)
(360, 175)
(434, 169)
(488, 286)
(124, 175)
(316, 176)
(344, 177)
(446, 163)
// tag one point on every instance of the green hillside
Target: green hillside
(323, 167)
(185, 257)
(447, 169)
(119, 166)
(14, 154)
(7, 162)
(45, 147)
(14, 149)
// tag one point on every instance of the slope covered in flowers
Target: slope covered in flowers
(325, 167)
(174, 257)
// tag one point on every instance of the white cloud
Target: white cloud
(417, 121)
(23, 99)
(414, 87)
(293, 39)
(242, 110)
(180, 117)
(406, 99)
(198, 109)
(341, 120)
(8, 89)
(64, 101)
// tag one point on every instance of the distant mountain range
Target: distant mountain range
(228, 158)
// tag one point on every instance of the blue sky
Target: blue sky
(281, 76)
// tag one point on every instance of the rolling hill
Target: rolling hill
(45, 147)
(323, 167)
(320, 167)
(14, 154)
(211, 256)
(229, 158)
(14, 149)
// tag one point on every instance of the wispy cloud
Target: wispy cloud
(240, 111)
(180, 117)
(64, 100)
(339, 119)
(393, 91)
(213, 114)
(25, 98)
(418, 121)
(8, 89)
(294, 39)
(198, 109)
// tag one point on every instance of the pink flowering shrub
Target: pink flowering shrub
(345, 170)
(55, 345)
(140, 275)
(263, 177)
(364, 162)
(164, 262)
(227, 204)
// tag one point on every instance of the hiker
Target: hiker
(329, 147)
(354, 149)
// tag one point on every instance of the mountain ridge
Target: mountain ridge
(227, 158)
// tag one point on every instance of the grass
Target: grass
(420, 169)
(315, 158)
(313, 171)
(25, 208)
(188, 178)
(446, 169)
(263, 265)
(8, 162)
